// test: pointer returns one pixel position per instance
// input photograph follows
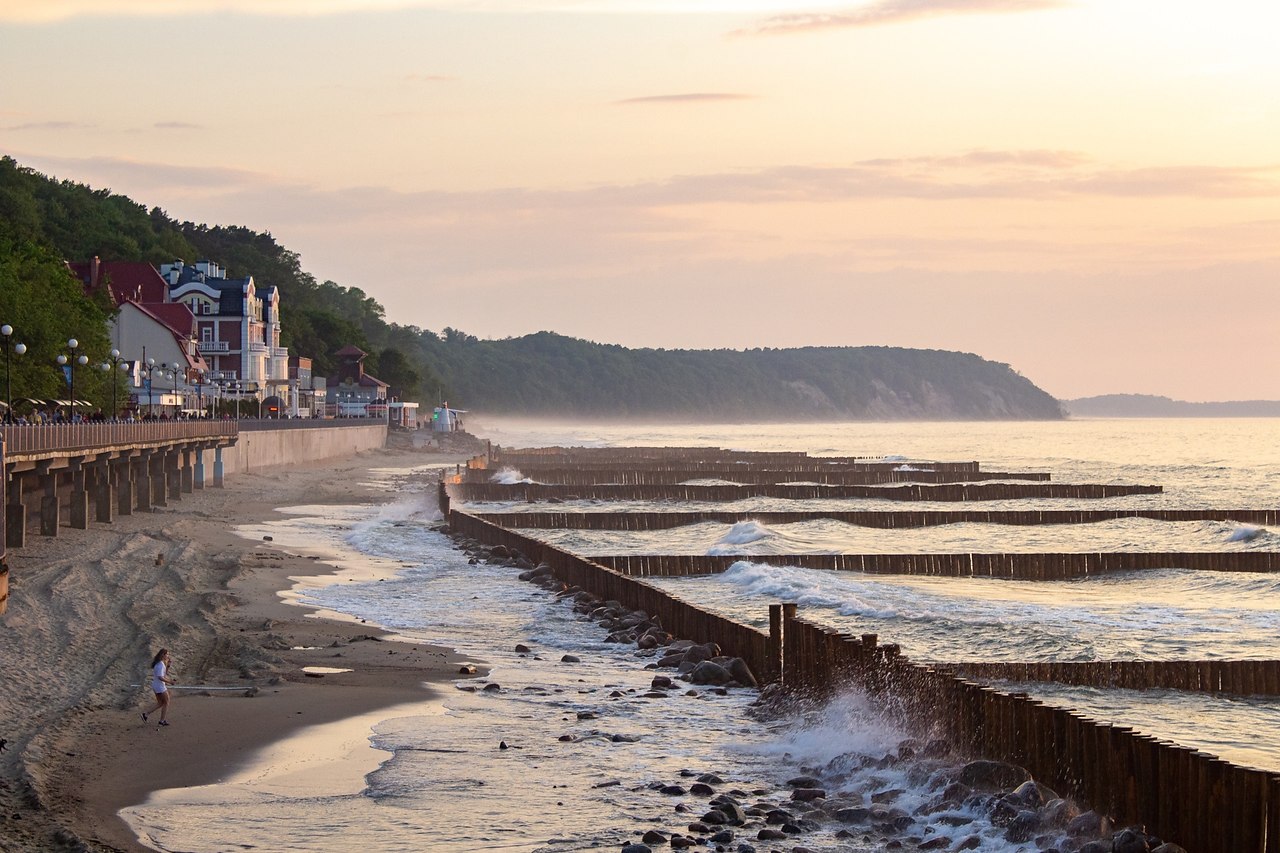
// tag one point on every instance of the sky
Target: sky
(1087, 190)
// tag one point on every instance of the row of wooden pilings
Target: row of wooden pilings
(1232, 677)
(762, 477)
(1009, 566)
(887, 520)
(1195, 799)
(719, 493)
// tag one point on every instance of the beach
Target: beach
(90, 608)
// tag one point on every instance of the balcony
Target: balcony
(254, 346)
(214, 346)
(279, 352)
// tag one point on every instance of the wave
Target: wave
(509, 477)
(1247, 533)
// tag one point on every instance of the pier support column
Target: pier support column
(142, 481)
(15, 515)
(217, 467)
(173, 475)
(49, 508)
(79, 501)
(103, 510)
(155, 469)
(197, 481)
(188, 476)
(123, 474)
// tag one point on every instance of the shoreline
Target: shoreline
(89, 608)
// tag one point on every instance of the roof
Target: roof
(126, 281)
(365, 381)
(351, 349)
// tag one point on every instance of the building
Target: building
(308, 392)
(151, 334)
(237, 327)
(354, 393)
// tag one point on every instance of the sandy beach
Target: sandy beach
(89, 609)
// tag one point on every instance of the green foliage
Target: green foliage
(45, 306)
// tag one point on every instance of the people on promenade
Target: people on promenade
(160, 682)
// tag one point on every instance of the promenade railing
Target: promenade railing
(35, 439)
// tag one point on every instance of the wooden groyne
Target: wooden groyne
(1012, 566)
(1199, 801)
(1203, 803)
(888, 520)
(1183, 795)
(1228, 677)
(946, 492)
(764, 477)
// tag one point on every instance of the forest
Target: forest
(45, 221)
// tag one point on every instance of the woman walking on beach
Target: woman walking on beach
(159, 683)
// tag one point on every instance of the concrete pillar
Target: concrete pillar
(217, 467)
(15, 515)
(198, 471)
(173, 475)
(49, 508)
(79, 502)
(103, 511)
(142, 481)
(123, 472)
(188, 477)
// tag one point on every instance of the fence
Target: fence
(767, 476)
(890, 520)
(65, 438)
(1231, 677)
(1199, 801)
(1027, 567)
(947, 492)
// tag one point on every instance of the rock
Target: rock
(710, 779)
(654, 837)
(662, 682)
(935, 843)
(856, 814)
(637, 848)
(707, 672)
(973, 842)
(1023, 826)
(741, 673)
(522, 648)
(701, 789)
(806, 795)
(715, 817)
(778, 816)
(468, 669)
(937, 748)
(724, 836)
(492, 687)
(993, 775)
(673, 790)
(680, 842)
(570, 659)
(1058, 813)
(1089, 824)
(1096, 847)
(887, 796)
(1169, 847)
(700, 653)
(1129, 841)
(804, 782)
(768, 834)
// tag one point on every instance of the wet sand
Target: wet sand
(89, 608)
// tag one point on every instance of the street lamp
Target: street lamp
(70, 363)
(177, 401)
(108, 367)
(18, 349)
(149, 367)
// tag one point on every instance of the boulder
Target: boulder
(993, 775)
(707, 672)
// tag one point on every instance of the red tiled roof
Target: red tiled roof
(351, 349)
(126, 281)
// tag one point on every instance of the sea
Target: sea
(586, 750)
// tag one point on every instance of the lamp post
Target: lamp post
(70, 362)
(109, 367)
(177, 400)
(18, 349)
(149, 366)
(200, 391)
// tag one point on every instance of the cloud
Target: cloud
(177, 125)
(893, 12)
(140, 176)
(687, 98)
(50, 125)
(429, 78)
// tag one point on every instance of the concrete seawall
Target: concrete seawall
(258, 449)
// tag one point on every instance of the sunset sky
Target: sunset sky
(1088, 190)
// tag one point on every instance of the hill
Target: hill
(43, 220)
(1152, 406)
